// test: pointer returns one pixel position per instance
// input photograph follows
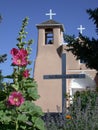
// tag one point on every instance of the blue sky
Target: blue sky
(70, 13)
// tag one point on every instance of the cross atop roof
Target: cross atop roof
(50, 14)
(81, 29)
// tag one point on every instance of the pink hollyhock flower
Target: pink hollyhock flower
(14, 51)
(26, 74)
(20, 60)
(16, 99)
(19, 57)
(23, 52)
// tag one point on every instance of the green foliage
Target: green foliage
(83, 47)
(85, 98)
(1, 79)
(3, 58)
(0, 18)
(94, 16)
(82, 114)
(27, 116)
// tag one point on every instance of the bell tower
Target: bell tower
(48, 61)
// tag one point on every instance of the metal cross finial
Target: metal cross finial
(81, 29)
(50, 14)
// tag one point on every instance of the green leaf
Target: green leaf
(2, 105)
(32, 92)
(29, 83)
(23, 127)
(15, 86)
(30, 109)
(38, 123)
(4, 117)
(22, 118)
(2, 95)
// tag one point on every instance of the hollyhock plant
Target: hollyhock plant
(15, 99)
(18, 110)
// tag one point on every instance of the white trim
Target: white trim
(80, 70)
(83, 72)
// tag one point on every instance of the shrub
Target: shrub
(81, 115)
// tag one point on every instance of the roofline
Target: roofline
(42, 25)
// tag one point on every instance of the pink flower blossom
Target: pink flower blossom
(19, 57)
(26, 74)
(20, 60)
(14, 52)
(15, 99)
(23, 52)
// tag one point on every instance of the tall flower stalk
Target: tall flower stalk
(18, 110)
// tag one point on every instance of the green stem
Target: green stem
(16, 122)
(16, 125)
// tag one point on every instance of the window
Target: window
(82, 61)
(49, 36)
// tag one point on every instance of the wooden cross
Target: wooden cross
(50, 14)
(81, 29)
(64, 76)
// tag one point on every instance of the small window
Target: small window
(82, 61)
(49, 36)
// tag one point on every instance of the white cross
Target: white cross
(50, 14)
(81, 29)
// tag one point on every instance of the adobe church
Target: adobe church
(48, 61)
